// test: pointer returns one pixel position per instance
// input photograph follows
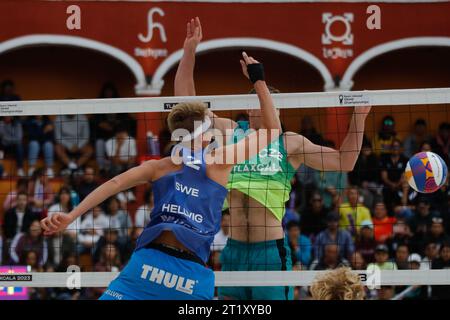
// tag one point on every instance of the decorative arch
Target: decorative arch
(141, 86)
(347, 79)
(158, 78)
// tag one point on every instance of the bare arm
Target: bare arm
(133, 177)
(184, 78)
(258, 140)
(328, 159)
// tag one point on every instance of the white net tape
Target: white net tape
(232, 278)
(229, 102)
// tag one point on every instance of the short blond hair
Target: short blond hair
(338, 284)
(183, 115)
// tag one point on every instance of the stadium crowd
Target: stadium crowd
(368, 216)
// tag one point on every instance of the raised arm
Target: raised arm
(184, 78)
(328, 159)
(133, 177)
(271, 129)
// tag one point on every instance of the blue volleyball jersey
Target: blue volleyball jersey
(187, 203)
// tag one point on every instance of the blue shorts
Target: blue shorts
(274, 255)
(152, 274)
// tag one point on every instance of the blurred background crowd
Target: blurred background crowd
(367, 216)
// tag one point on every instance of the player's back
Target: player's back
(187, 203)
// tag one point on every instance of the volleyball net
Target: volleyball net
(54, 152)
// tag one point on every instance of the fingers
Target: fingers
(199, 25)
(46, 226)
(188, 30)
(248, 60)
(193, 26)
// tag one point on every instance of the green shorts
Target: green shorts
(274, 255)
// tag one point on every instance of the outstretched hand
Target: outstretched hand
(56, 223)
(245, 62)
(194, 35)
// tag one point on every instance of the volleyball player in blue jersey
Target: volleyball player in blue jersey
(189, 191)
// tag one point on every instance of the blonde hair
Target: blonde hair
(338, 284)
(183, 115)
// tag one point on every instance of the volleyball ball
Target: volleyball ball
(426, 172)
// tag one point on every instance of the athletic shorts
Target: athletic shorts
(162, 273)
(272, 255)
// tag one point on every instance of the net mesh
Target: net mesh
(54, 153)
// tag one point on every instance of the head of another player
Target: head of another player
(254, 115)
(188, 122)
(338, 284)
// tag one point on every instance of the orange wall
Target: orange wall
(58, 72)
(61, 72)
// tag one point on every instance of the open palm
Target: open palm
(194, 34)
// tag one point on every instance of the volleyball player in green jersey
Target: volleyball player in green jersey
(259, 187)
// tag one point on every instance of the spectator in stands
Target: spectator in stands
(32, 239)
(41, 135)
(72, 140)
(358, 262)
(110, 236)
(425, 146)
(331, 259)
(404, 199)
(88, 183)
(436, 234)
(392, 168)
(443, 262)
(353, 213)
(334, 235)
(8, 91)
(121, 150)
(365, 243)
(330, 184)
(314, 217)
(382, 259)
(401, 257)
(19, 218)
(402, 235)
(419, 135)
(11, 198)
(66, 241)
(414, 261)
(102, 126)
(385, 137)
(92, 228)
(142, 216)
(431, 253)
(385, 293)
(383, 224)
(295, 196)
(300, 245)
(420, 223)
(40, 191)
(30, 258)
(365, 174)
(109, 262)
(220, 240)
(309, 131)
(11, 135)
(65, 293)
(441, 143)
(127, 250)
(119, 219)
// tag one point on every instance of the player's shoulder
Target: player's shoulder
(293, 140)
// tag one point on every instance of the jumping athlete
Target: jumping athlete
(260, 186)
(189, 190)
